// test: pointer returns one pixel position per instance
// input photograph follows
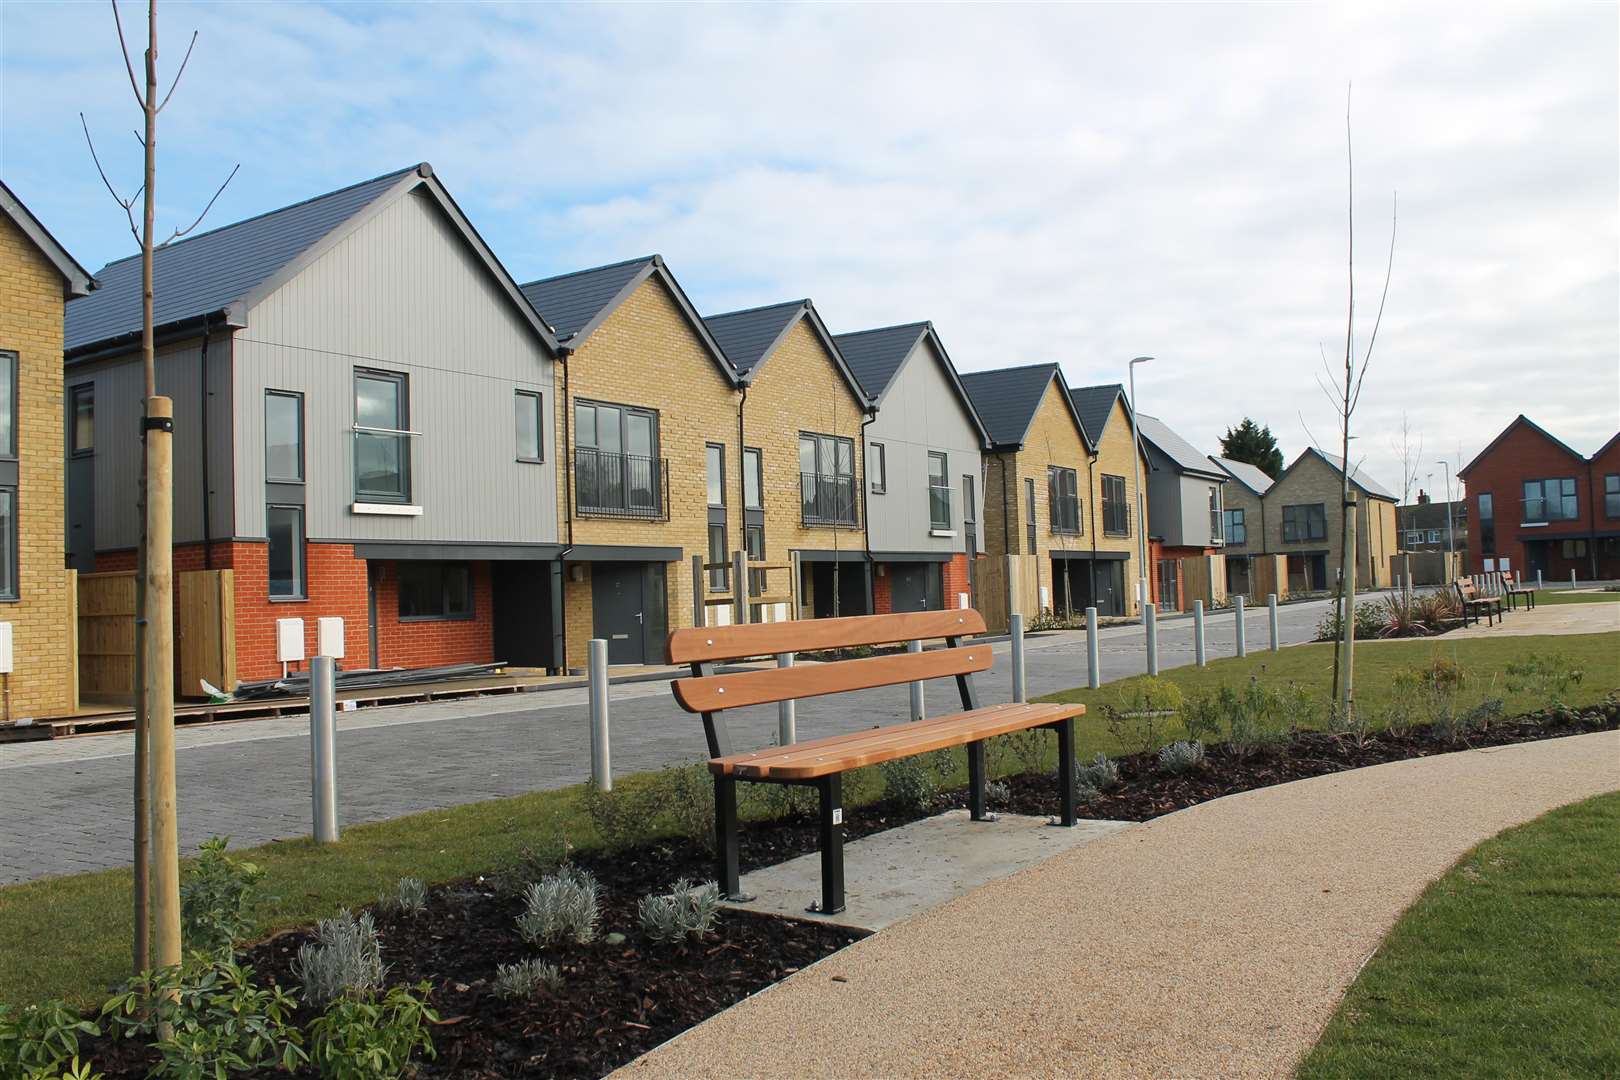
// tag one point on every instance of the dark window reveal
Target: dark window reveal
(283, 437)
(82, 415)
(285, 527)
(435, 590)
(1303, 522)
(529, 425)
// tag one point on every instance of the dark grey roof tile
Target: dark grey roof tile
(569, 302)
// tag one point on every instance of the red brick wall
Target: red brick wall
(1525, 454)
(432, 643)
(882, 594)
(955, 574)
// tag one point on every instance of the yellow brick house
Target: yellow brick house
(1123, 519)
(1302, 522)
(37, 276)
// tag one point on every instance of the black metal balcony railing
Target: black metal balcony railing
(1065, 515)
(1116, 518)
(827, 499)
(620, 485)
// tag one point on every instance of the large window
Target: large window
(617, 471)
(1487, 525)
(1550, 500)
(877, 468)
(827, 479)
(382, 451)
(283, 437)
(1304, 522)
(714, 456)
(435, 590)
(1611, 495)
(8, 404)
(939, 492)
(1116, 507)
(285, 527)
(1064, 492)
(753, 480)
(1237, 530)
(82, 418)
(8, 543)
(529, 424)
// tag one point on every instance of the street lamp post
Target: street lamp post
(1141, 510)
(1451, 537)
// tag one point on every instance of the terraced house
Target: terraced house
(1243, 523)
(1053, 497)
(362, 403)
(37, 603)
(1302, 523)
(1105, 413)
(923, 485)
(1186, 503)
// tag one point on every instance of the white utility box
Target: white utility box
(289, 640)
(329, 636)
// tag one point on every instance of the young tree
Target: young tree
(1411, 456)
(1255, 444)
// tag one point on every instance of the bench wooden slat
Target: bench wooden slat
(858, 740)
(886, 744)
(715, 692)
(696, 645)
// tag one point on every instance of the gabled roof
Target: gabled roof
(576, 303)
(1358, 477)
(76, 279)
(1007, 400)
(1095, 404)
(751, 336)
(1533, 426)
(230, 269)
(877, 355)
(1252, 477)
(1604, 449)
(1181, 453)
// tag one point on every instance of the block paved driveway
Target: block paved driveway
(64, 805)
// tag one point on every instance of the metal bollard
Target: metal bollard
(323, 748)
(1198, 632)
(1538, 579)
(787, 716)
(1093, 650)
(1572, 579)
(1150, 621)
(918, 711)
(601, 767)
(1271, 602)
(1242, 635)
(1016, 626)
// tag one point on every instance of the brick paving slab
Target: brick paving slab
(1213, 942)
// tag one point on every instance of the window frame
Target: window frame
(1611, 498)
(877, 477)
(75, 392)
(303, 463)
(1122, 502)
(402, 417)
(10, 591)
(1314, 514)
(1566, 498)
(720, 569)
(821, 441)
(1486, 506)
(1031, 528)
(1056, 496)
(943, 460)
(1240, 521)
(970, 516)
(754, 454)
(538, 402)
(414, 565)
(11, 449)
(714, 452)
(300, 561)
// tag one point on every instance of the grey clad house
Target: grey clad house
(1186, 505)
(362, 400)
(924, 476)
(1243, 519)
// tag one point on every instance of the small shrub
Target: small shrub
(909, 781)
(1547, 678)
(360, 1038)
(1027, 748)
(408, 897)
(620, 816)
(997, 792)
(774, 802)
(1369, 618)
(687, 910)
(560, 906)
(38, 1040)
(217, 899)
(345, 959)
(531, 862)
(1252, 721)
(688, 796)
(527, 979)
(1101, 774)
(1181, 757)
(1142, 717)
(209, 1020)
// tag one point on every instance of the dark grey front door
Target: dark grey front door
(81, 513)
(628, 610)
(914, 587)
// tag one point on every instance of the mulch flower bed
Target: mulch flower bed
(621, 1000)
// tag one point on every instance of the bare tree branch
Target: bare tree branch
(177, 74)
(120, 200)
(178, 233)
(1394, 211)
(128, 65)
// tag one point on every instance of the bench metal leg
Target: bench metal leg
(1066, 764)
(727, 868)
(976, 781)
(832, 845)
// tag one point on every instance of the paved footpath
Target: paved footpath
(1213, 942)
(64, 805)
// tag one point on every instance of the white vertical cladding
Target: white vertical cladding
(403, 293)
(1194, 492)
(921, 411)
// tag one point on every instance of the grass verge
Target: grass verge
(69, 936)
(1564, 596)
(1507, 966)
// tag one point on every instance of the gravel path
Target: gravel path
(1214, 942)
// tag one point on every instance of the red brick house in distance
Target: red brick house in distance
(1539, 505)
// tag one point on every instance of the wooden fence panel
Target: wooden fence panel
(207, 630)
(106, 622)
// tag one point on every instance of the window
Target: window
(1611, 495)
(719, 559)
(617, 471)
(1487, 526)
(284, 525)
(283, 437)
(1549, 500)
(529, 425)
(753, 480)
(8, 404)
(1434, 536)
(1574, 549)
(877, 468)
(939, 492)
(1304, 521)
(715, 469)
(1029, 514)
(1215, 530)
(1237, 531)
(435, 590)
(827, 479)
(1116, 508)
(8, 544)
(754, 540)
(382, 454)
(82, 415)
(1414, 537)
(1065, 500)
(970, 517)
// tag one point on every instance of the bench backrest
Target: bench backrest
(708, 693)
(1466, 589)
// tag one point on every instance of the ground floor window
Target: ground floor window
(435, 590)
(284, 525)
(8, 544)
(719, 564)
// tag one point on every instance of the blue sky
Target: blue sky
(1079, 184)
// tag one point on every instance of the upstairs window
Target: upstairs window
(1116, 506)
(617, 471)
(1064, 493)
(715, 468)
(382, 453)
(1237, 530)
(528, 425)
(970, 517)
(1029, 514)
(827, 479)
(283, 437)
(1215, 512)
(8, 404)
(82, 419)
(1487, 525)
(753, 481)
(1304, 522)
(939, 492)
(435, 590)
(1611, 495)
(1550, 500)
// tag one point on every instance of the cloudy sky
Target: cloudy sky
(1079, 184)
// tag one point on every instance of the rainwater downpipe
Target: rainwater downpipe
(742, 485)
(207, 524)
(866, 519)
(567, 465)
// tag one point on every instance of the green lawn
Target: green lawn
(1509, 966)
(69, 936)
(1564, 596)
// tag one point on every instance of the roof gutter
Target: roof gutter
(227, 317)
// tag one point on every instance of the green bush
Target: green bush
(620, 816)
(1142, 719)
(217, 899)
(38, 1040)
(687, 910)
(1252, 721)
(910, 781)
(360, 1038)
(526, 979)
(561, 906)
(1545, 678)
(687, 793)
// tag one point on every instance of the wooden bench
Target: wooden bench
(1468, 595)
(1512, 590)
(821, 763)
